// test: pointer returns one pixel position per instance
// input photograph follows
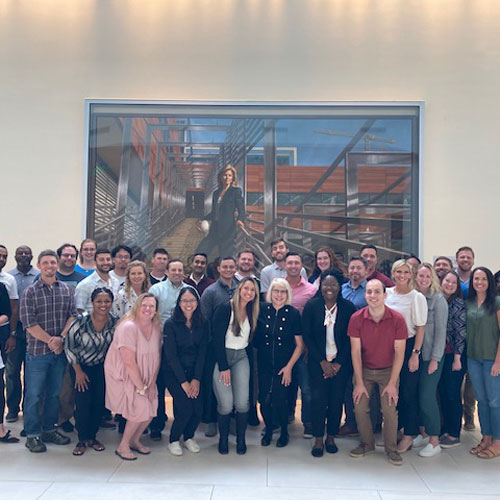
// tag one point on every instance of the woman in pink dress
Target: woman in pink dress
(131, 368)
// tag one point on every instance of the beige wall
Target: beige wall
(56, 53)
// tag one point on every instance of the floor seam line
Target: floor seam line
(421, 478)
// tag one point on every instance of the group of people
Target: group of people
(111, 335)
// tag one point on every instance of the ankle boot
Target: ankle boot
(223, 421)
(241, 428)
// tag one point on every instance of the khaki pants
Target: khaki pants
(389, 413)
(66, 397)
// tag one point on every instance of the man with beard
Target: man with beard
(277, 269)
(465, 263)
(354, 289)
(370, 254)
(24, 274)
(245, 262)
(198, 279)
(442, 265)
(99, 278)
(68, 254)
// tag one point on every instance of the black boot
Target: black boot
(267, 415)
(223, 421)
(241, 428)
(283, 439)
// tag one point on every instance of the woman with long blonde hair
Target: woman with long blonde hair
(233, 326)
(131, 368)
(432, 358)
(228, 212)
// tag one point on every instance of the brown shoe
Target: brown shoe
(361, 450)
(346, 431)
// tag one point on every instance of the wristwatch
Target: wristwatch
(416, 351)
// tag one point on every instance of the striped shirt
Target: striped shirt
(48, 306)
(84, 344)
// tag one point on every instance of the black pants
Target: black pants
(327, 398)
(158, 422)
(13, 365)
(408, 394)
(273, 399)
(89, 405)
(207, 388)
(187, 411)
(450, 395)
(2, 396)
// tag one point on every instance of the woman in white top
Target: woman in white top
(404, 299)
(233, 325)
(136, 283)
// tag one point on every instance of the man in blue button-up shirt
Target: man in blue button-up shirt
(354, 289)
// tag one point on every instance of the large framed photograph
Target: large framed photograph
(220, 176)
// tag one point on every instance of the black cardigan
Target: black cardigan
(314, 331)
(220, 322)
(184, 349)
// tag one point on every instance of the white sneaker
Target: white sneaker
(429, 451)
(175, 448)
(192, 446)
(420, 441)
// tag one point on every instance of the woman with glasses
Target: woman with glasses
(87, 264)
(278, 339)
(186, 337)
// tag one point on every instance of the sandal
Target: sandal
(489, 453)
(7, 438)
(142, 451)
(96, 445)
(478, 448)
(79, 449)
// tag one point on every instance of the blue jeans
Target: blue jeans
(44, 376)
(237, 393)
(302, 372)
(487, 389)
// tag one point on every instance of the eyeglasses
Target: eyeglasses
(69, 255)
(278, 291)
(122, 257)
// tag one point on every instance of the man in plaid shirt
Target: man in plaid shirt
(47, 311)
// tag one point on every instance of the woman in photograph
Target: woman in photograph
(186, 336)
(454, 365)
(409, 302)
(324, 324)
(233, 326)
(228, 212)
(325, 259)
(136, 283)
(432, 359)
(87, 261)
(86, 345)
(483, 358)
(131, 368)
(278, 339)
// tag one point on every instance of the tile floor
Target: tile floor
(264, 473)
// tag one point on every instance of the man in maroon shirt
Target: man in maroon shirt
(378, 338)
(370, 254)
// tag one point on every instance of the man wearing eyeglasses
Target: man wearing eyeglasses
(68, 255)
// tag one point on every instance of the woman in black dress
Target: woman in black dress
(324, 326)
(278, 339)
(184, 348)
(228, 211)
